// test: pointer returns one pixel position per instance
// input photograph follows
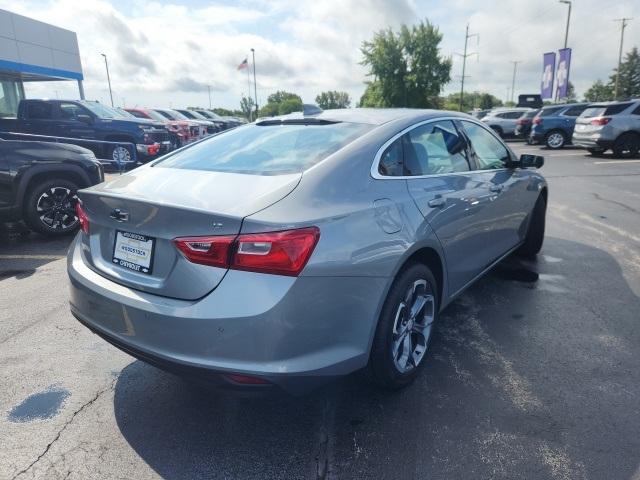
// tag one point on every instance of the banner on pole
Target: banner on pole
(548, 69)
(564, 63)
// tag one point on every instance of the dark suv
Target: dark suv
(39, 181)
(554, 125)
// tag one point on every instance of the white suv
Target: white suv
(610, 125)
(503, 121)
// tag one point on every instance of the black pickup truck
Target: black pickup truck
(39, 181)
(81, 119)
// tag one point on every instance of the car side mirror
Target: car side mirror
(527, 161)
(84, 118)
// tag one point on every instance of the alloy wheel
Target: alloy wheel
(56, 208)
(412, 326)
(121, 154)
(555, 140)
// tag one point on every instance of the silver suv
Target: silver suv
(610, 125)
(503, 121)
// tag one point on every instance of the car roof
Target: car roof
(371, 116)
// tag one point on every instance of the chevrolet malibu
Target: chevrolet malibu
(296, 249)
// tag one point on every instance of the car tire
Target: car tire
(120, 154)
(626, 145)
(535, 231)
(391, 364)
(49, 207)
(555, 139)
(596, 152)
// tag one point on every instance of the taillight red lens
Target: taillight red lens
(537, 121)
(279, 253)
(212, 251)
(246, 379)
(82, 218)
(600, 121)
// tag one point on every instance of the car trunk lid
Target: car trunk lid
(141, 212)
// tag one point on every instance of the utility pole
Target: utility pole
(464, 60)
(255, 85)
(106, 64)
(513, 80)
(209, 90)
(623, 25)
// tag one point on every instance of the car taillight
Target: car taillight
(153, 149)
(82, 218)
(246, 379)
(600, 121)
(212, 251)
(279, 253)
(537, 121)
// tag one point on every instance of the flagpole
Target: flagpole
(255, 88)
(249, 92)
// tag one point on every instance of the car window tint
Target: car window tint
(575, 111)
(490, 152)
(547, 112)
(266, 149)
(514, 115)
(69, 111)
(617, 108)
(391, 160)
(39, 111)
(636, 111)
(434, 148)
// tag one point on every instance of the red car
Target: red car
(180, 130)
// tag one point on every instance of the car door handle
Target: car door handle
(496, 188)
(437, 202)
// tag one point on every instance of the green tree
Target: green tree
(629, 81)
(223, 112)
(471, 100)
(281, 103)
(571, 93)
(406, 66)
(599, 92)
(333, 99)
(247, 106)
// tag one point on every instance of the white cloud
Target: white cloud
(167, 53)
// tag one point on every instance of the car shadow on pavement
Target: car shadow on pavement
(533, 373)
(23, 251)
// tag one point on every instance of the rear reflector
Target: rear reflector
(279, 253)
(82, 218)
(600, 121)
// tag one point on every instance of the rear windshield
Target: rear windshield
(547, 112)
(266, 149)
(530, 114)
(600, 110)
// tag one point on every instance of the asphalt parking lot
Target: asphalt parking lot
(533, 373)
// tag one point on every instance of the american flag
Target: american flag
(243, 65)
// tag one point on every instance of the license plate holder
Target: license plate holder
(134, 251)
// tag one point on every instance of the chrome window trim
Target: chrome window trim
(376, 160)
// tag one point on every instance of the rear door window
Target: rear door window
(272, 149)
(39, 111)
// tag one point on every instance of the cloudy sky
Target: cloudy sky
(166, 53)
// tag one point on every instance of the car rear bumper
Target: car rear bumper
(591, 141)
(296, 333)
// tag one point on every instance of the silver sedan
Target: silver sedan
(300, 248)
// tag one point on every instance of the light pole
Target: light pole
(255, 87)
(513, 80)
(623, 25)
(566, 32)
(106, 64)
(209, 90)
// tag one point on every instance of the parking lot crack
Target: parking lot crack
(623, 205)
(83, 407)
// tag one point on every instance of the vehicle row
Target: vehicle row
(598, 127)
(116, 135)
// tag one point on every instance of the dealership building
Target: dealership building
(33, 51)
